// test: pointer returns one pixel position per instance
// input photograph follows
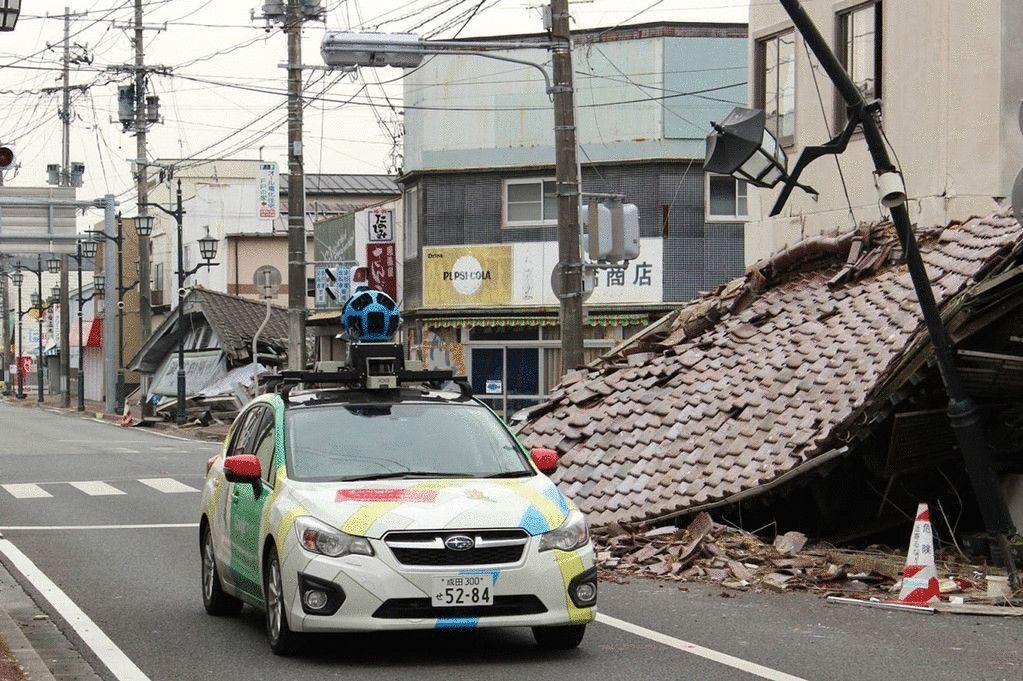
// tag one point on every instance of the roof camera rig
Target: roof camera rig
(369, 320)
(371, 366)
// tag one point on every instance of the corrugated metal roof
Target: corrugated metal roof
(383, 185)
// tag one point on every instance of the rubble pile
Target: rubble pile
(706, 551)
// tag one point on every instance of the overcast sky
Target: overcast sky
(225, 95)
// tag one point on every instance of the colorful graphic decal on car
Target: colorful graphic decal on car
(425, 496)
(544, 514)
(458, 623)
(571, 564)
(478, 495)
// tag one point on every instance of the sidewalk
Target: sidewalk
(32, 648)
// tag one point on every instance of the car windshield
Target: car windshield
(339, 442)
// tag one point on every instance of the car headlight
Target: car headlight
(322, 538)
(572, 534)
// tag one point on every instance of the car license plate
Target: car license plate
(463, 590)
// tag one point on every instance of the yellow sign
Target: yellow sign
(461, 276)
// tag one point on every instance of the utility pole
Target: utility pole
(65, 181)
(570, 266)
(296, 192)
(142, 177)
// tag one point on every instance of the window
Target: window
(859, 50)
(776, 83)
(410, 231)
(726, 198)
(528, 203)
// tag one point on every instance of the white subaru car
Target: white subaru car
(340, 509)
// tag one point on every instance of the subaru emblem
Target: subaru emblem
(459, 542)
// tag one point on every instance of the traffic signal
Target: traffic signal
(6, 157)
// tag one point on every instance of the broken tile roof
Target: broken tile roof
(746, 387)
(236, 320)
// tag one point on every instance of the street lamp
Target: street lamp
(9, 12)
(84, 249)
(121, 290)
(863, 115)
(741, 146)
(53, 264)
(349, 50)
(208, 250)
(18, 277)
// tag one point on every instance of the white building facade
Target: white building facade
(949, 75)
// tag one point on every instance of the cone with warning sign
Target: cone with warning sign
(920, 577)
(126, 419)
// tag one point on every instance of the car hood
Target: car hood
(372, 508)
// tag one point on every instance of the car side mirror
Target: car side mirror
(544, 459)
(244, 468)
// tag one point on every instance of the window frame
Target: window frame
(506, 222)
(760, 80)
(842, 17)
(712, 217)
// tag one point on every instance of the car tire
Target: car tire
(216, 601)
(559, 638)
(283, 641)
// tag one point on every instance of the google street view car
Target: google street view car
(385, 497)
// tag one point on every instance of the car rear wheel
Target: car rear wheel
(214, 598)
(560, 638)
(283, 641)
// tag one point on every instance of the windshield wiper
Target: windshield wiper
(405, 474)
(511, 474)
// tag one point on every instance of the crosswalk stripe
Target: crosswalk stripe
(26, 491)
(167, 485)
(96, 488)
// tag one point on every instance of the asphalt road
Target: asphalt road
(125, 555)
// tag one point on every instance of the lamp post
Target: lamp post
(18, 277)
(38, 304)
(962, 411)
(84, 250)
(349, 50)
(208, 251)
(118, 239)
(10, 10)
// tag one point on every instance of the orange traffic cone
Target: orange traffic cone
(126, 419)
(920, 577)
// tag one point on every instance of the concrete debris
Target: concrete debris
(706, 551)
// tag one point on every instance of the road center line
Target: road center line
(700, 651)
(119, 664)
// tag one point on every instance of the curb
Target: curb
(25, 655)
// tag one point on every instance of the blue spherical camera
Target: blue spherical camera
(370, 317)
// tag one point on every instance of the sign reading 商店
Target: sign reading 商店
(519, 274)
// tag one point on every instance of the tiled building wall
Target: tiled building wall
(466, 209)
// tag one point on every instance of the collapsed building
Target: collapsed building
(804, 393)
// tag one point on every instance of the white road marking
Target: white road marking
(61, 528)
(167, 485)
(96, 488)
(119, 664)
(700, 651)
(26, 491)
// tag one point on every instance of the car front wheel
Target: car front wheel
(214, 598)
(559, 638)
(283, 641)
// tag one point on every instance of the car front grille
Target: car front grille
(422, 608)
(490, 547)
